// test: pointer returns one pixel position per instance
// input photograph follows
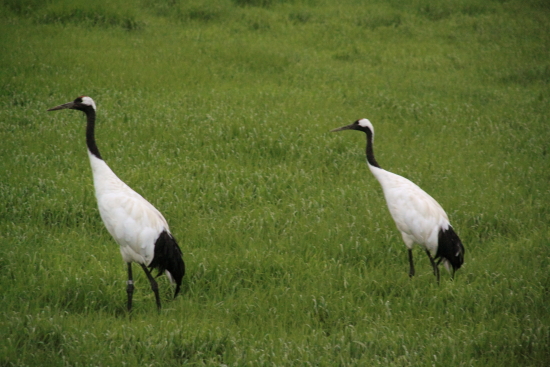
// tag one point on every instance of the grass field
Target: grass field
(218, 112)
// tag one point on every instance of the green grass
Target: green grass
(219, 113)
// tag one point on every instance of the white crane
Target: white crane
(137, 226)
(419, 218)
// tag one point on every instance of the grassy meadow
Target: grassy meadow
(218, 112)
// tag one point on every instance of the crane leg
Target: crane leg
(130, 287)
(434, 265)
(452, 270)
(154, 284)
(411, 264)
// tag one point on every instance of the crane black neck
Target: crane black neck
(370, 151)
(90, 131)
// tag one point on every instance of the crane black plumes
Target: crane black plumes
(419, 218)
(136, 225)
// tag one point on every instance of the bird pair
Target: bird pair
(144, 236)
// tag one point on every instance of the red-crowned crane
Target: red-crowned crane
(137, 226)
(419, 218)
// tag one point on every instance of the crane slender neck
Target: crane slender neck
(370, 152)
(90, 132)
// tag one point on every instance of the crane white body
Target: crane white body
(133, 222)
(416, 214)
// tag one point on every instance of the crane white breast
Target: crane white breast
(133, 222)
(416, 214)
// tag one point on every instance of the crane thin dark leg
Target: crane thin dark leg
(411, 263)
(452, 270)
(434, 265)
(130, 287)
(154, 284)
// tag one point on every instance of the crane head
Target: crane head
(361, 125)
(81, 103)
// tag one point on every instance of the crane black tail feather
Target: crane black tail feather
(168, 257)
(450, 248)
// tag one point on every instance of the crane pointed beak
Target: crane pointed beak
(62, 106)
(347, 127)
